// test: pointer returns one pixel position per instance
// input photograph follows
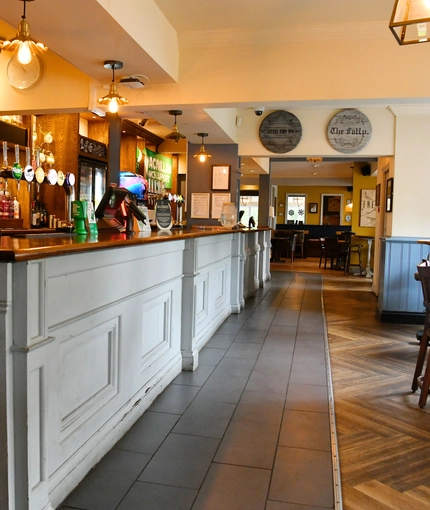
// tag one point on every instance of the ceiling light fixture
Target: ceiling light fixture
(202, 155)
(23, 44)
(175, 134)
(410, 21)
(113, 99)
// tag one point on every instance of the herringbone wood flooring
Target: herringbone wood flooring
(383, 436)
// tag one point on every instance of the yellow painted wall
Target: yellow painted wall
(313, 194)
(62, 88)
(361, 182)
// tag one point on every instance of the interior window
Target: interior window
(295, 212)
(249, 206)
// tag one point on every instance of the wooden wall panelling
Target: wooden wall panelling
(65, 131)
(400, 296)
(128, 152)
(99, 130)
(141, 144)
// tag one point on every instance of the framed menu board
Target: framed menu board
(218, 199)
(200, 205)
(221, 177)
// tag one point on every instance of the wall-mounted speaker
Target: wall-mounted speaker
(365, 170)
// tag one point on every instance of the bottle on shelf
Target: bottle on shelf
(43, 216)
(4, 206)
(1, 203)
(15, 208)
(37, 215)
(33, 215)
(9, 205)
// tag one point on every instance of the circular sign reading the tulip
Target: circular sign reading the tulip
(349, 131)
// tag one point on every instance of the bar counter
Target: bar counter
(22, 245)
(92, 330)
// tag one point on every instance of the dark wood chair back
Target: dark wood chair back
(423, 381)
(424, 277)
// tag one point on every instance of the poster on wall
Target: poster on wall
(367, 208)
(158, 167)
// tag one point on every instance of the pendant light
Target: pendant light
(175, 134)
(410, 21)
(202, 155)
(23, 44)
(113, 99)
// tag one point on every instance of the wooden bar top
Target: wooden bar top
(31, 245)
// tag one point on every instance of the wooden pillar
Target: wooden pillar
(264, 200)
(114, 147)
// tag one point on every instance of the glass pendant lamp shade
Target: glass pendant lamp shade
(410, 21)
(113, 99)
(23, 44)
(202, 155)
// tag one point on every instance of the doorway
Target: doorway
(332, 206)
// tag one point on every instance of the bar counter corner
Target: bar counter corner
(92, 330)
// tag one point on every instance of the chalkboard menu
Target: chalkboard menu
(163, 215)
(280, 132)
(92, 147)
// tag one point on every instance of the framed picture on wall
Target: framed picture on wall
(389, 195)
(218, 199)
(378, 195)
(221, 177)
(313, 207)
(367, 208)
(200, 205)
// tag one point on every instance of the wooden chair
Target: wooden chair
(288, 246)
(280, 244)
(301, 242)
(423, 381)
(333, 252)
(351, 249)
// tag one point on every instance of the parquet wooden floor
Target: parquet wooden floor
(383, 436)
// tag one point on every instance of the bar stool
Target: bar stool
(301, 242)
(351, 249)
(423, 381)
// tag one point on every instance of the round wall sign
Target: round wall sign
(280, 132)
(349, 131)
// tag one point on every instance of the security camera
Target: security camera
(259, 111)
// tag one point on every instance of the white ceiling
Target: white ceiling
(193, 15)
(85, 35)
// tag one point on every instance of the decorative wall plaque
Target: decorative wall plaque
(280, 132)
(349, 131)
(92, 147)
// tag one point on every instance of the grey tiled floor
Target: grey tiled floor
(248, 430)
